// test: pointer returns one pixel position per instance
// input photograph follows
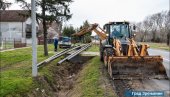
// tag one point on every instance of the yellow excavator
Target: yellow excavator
(123, 57)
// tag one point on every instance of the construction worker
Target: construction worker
(116, 33)
(56, 38)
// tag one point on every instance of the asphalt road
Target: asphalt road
(166, 58)
(159, 85)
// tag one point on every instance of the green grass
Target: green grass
(93, 48)
(16, 75)
(161, 46)
(89, 79)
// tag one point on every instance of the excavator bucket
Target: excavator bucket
(136, 67)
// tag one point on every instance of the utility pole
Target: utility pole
(168, 36)
(34, 39)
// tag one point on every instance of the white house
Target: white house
(15, 24)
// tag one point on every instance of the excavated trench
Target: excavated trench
(62, 80)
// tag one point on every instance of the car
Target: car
(64, 42)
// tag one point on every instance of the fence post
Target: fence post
(14, 42)
(8, 43)
(25, 42)
(38, 41)
(5, 42)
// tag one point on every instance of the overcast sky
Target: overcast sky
(103, 11)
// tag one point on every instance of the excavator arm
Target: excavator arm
(93, 27)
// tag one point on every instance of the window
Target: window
(119, 30)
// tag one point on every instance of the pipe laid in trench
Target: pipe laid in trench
(57, 55)
(74, 54)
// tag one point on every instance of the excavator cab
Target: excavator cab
(118, 30)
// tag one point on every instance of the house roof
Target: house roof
(13, 15)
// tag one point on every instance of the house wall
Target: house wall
(13, 30)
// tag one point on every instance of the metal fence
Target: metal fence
(10, 43)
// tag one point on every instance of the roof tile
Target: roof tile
(13, 15)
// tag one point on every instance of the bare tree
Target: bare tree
(167, 27)
(140, 32)
(4, 4)
(155, 27)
